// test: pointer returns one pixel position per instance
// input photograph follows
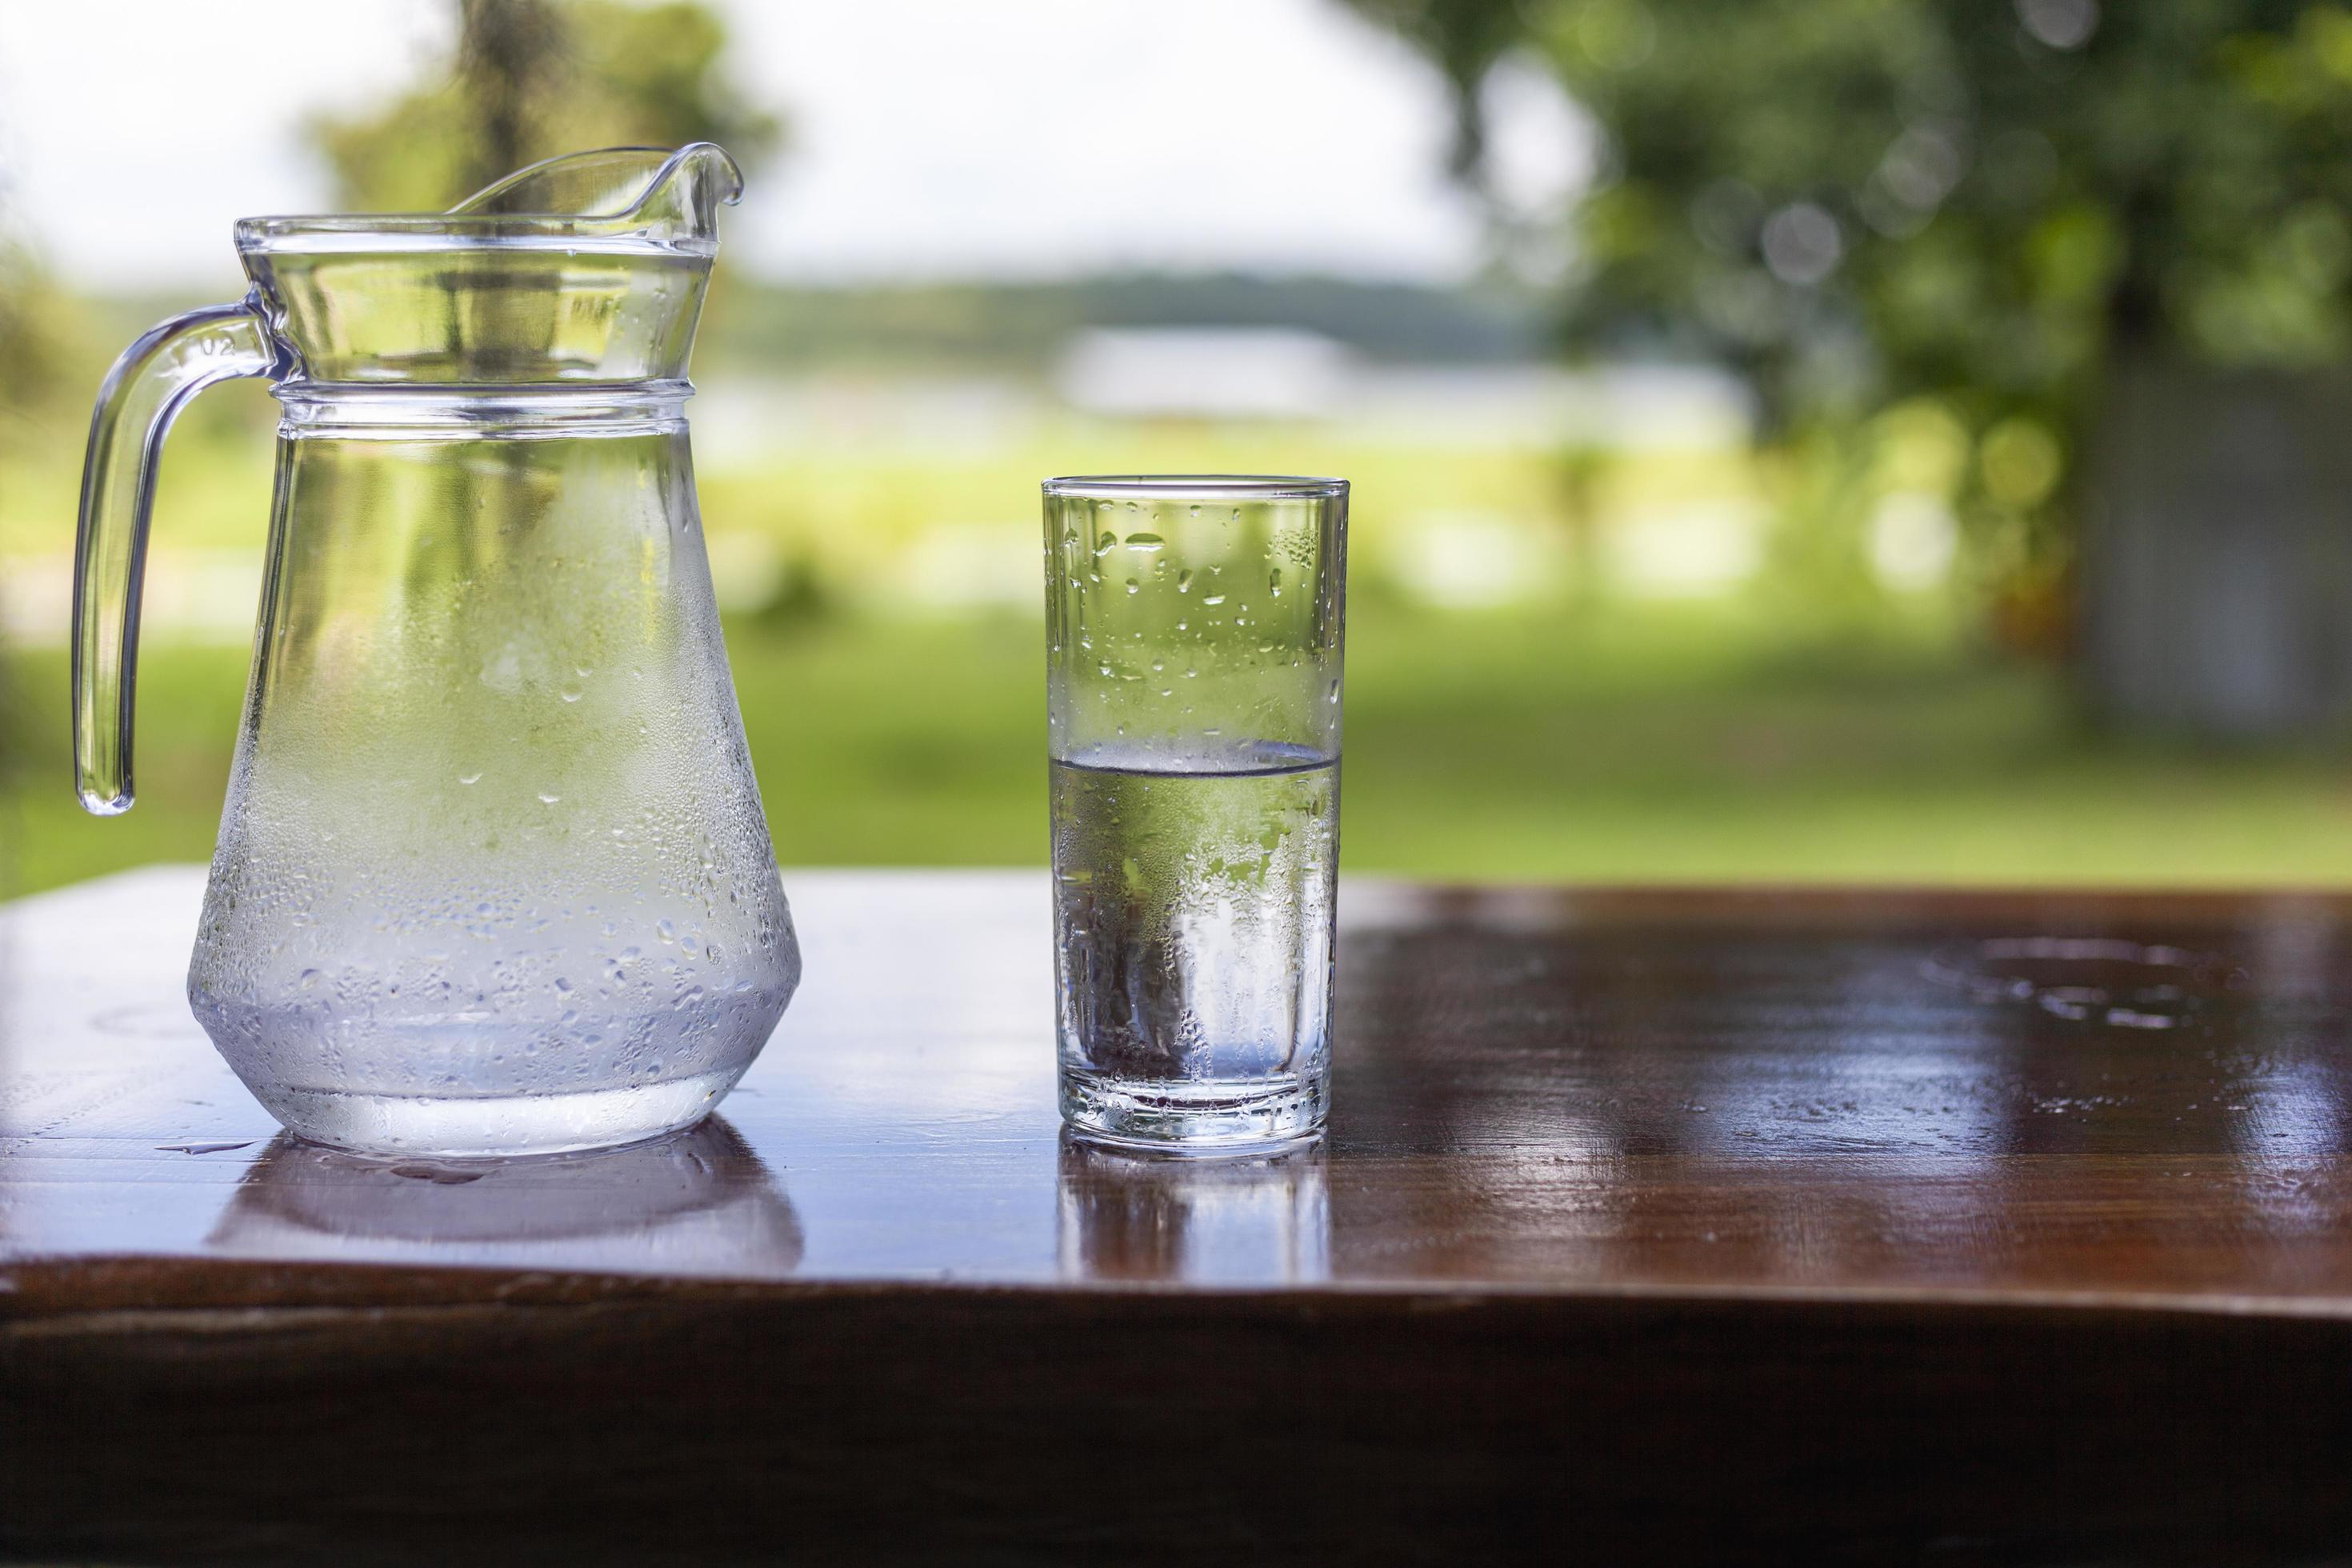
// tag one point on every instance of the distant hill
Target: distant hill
(1023, 326)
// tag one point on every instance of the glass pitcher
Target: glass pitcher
(493, 875)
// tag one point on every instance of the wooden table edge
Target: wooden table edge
(37, 1294)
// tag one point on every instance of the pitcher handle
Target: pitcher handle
(142, 393)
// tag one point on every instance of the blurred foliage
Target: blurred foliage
(38, 319)
(533, 79)
(1858, 201)
(1982, 203)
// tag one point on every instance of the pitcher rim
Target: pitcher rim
(441, 231)
(464, 226)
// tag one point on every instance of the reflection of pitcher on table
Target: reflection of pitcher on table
(700, 1203)
(493, 874)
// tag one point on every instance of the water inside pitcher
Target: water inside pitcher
(493, 875)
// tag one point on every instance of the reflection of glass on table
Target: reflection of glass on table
(700, 1203)
(1262, 1220)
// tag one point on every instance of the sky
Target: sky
(929, 138)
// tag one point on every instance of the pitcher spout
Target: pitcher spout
(672, 196)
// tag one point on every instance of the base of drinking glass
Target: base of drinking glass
(496, 1126)
(1194, 1116)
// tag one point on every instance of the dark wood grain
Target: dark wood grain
(1944, 1226)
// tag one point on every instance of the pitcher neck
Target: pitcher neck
(553, 410)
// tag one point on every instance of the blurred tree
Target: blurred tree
(41, 326)
(2041, 214)
(35, 314)
(532, 78)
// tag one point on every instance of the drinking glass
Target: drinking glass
(1193, 637)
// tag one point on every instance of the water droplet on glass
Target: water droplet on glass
(474, 777)
(1184, 581)
(1133, 586)
(1274, 582)
(546, 798)
(1145, 542)
(1215, 599)
(570, 694)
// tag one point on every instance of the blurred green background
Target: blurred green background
(1788, 501)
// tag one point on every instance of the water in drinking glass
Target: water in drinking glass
(1193, 921)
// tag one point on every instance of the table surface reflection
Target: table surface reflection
(1597, 1156)
(1967, 1094)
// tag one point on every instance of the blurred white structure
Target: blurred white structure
(1913, 540)
(1695, 552)
(192, 596)
(1475, 559)
(970, 566)
(1204, 373)
(1623, 407)
(1244, 372)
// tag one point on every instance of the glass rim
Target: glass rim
(1191, 486)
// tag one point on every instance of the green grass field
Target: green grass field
(1529, 745)
(1580, 737)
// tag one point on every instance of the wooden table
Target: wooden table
(1937, 1226)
